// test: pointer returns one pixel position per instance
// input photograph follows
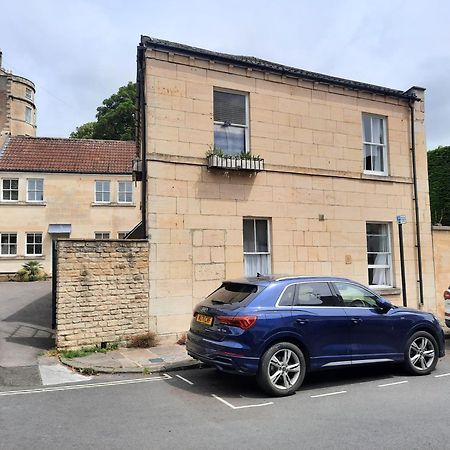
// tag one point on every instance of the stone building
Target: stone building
(52, 188)
(258, 167)
(17, 108)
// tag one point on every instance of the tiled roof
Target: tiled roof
(261, 64)
(30, 154)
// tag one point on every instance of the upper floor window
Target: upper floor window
(231, 122)
(101, 235)
(8, 243)
(379, 255)
(256, 247)
(125, 192)
(102, 191)
(34, 244)
(374, 143)
(29, 93)
(121, 234)
(10, 189)
(35, 190)
(28, 114)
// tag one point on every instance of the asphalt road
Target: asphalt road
(25, 330)
(370, 408)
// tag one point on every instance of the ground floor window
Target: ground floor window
(101, 235)
(34, 244)
(8, 243)
(257, 247)
(379, 254)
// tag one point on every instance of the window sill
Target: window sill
(387, 291)
(114, 205)
(22, 257)
(21, 203)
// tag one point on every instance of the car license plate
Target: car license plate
(206, 320)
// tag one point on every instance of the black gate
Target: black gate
(54, 281)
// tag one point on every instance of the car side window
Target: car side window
(314, 294)
(287, 296)
(356, 296)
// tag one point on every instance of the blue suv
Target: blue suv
(278, 328)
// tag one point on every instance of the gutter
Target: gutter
(141, 133)
(416, 200)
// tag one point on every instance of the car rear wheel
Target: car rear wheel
(282, 369)
(421, 353)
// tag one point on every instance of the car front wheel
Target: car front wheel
(421, 353)
(282, 369)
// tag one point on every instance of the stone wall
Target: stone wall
(102, 291)
(441, 249)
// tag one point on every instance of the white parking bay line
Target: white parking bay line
(328, 394)
(73, 387)
(184, 379)
(442, 375)
(240, 407)
(393, 384)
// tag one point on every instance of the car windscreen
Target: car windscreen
(230, 293)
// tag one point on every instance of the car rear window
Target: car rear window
(230, 293)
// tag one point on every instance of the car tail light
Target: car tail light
(244, 322)
(447, 295)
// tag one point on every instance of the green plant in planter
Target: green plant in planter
(31, 271)
(215, 151)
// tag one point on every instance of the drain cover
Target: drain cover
(156, 360)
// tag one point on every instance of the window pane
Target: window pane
(314, 294)
(379, 276)
(288, 296)
(356, 296)
(249, 235)
(230, 293)
(367, 126)
(262, 244)
(229, 108)
(254, 264)
(231, 140)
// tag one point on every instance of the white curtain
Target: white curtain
(254, 264)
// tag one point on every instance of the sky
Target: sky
(79, 52)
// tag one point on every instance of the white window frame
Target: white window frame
(121, 234)
(8, 233)
(34, 190)
(9, 190)
(29, 115)
(247, 115)
(102, 191)
(385, 170)
(34, 243)
(124, 192)
(389, 253)
(269, 244)
(104, 235)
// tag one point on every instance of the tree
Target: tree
(115, 118)
(439, 181)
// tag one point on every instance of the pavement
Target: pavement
(161, 358)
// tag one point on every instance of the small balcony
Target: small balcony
(243, 163)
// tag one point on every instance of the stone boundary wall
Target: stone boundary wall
(441, 250)
(102, 291)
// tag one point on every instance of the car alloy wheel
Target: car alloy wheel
(282, 369)
(421, 354)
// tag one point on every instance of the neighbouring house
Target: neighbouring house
(54, 188)
(252, 166)
(17, 107)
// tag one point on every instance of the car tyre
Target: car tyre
(421, 353)
(282, 369)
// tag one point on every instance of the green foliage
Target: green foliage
(439, 181)
(85, 131)
(116, 118)
(85, 351)
(31, 271)
(215, 150)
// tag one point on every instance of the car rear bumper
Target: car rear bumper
(224, 357)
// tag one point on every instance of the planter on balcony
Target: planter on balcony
(254, 164)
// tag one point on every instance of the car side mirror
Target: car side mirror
(384, 305)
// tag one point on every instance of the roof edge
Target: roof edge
(261, 64)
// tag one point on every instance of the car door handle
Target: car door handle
(356, 320)
(302, 321)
